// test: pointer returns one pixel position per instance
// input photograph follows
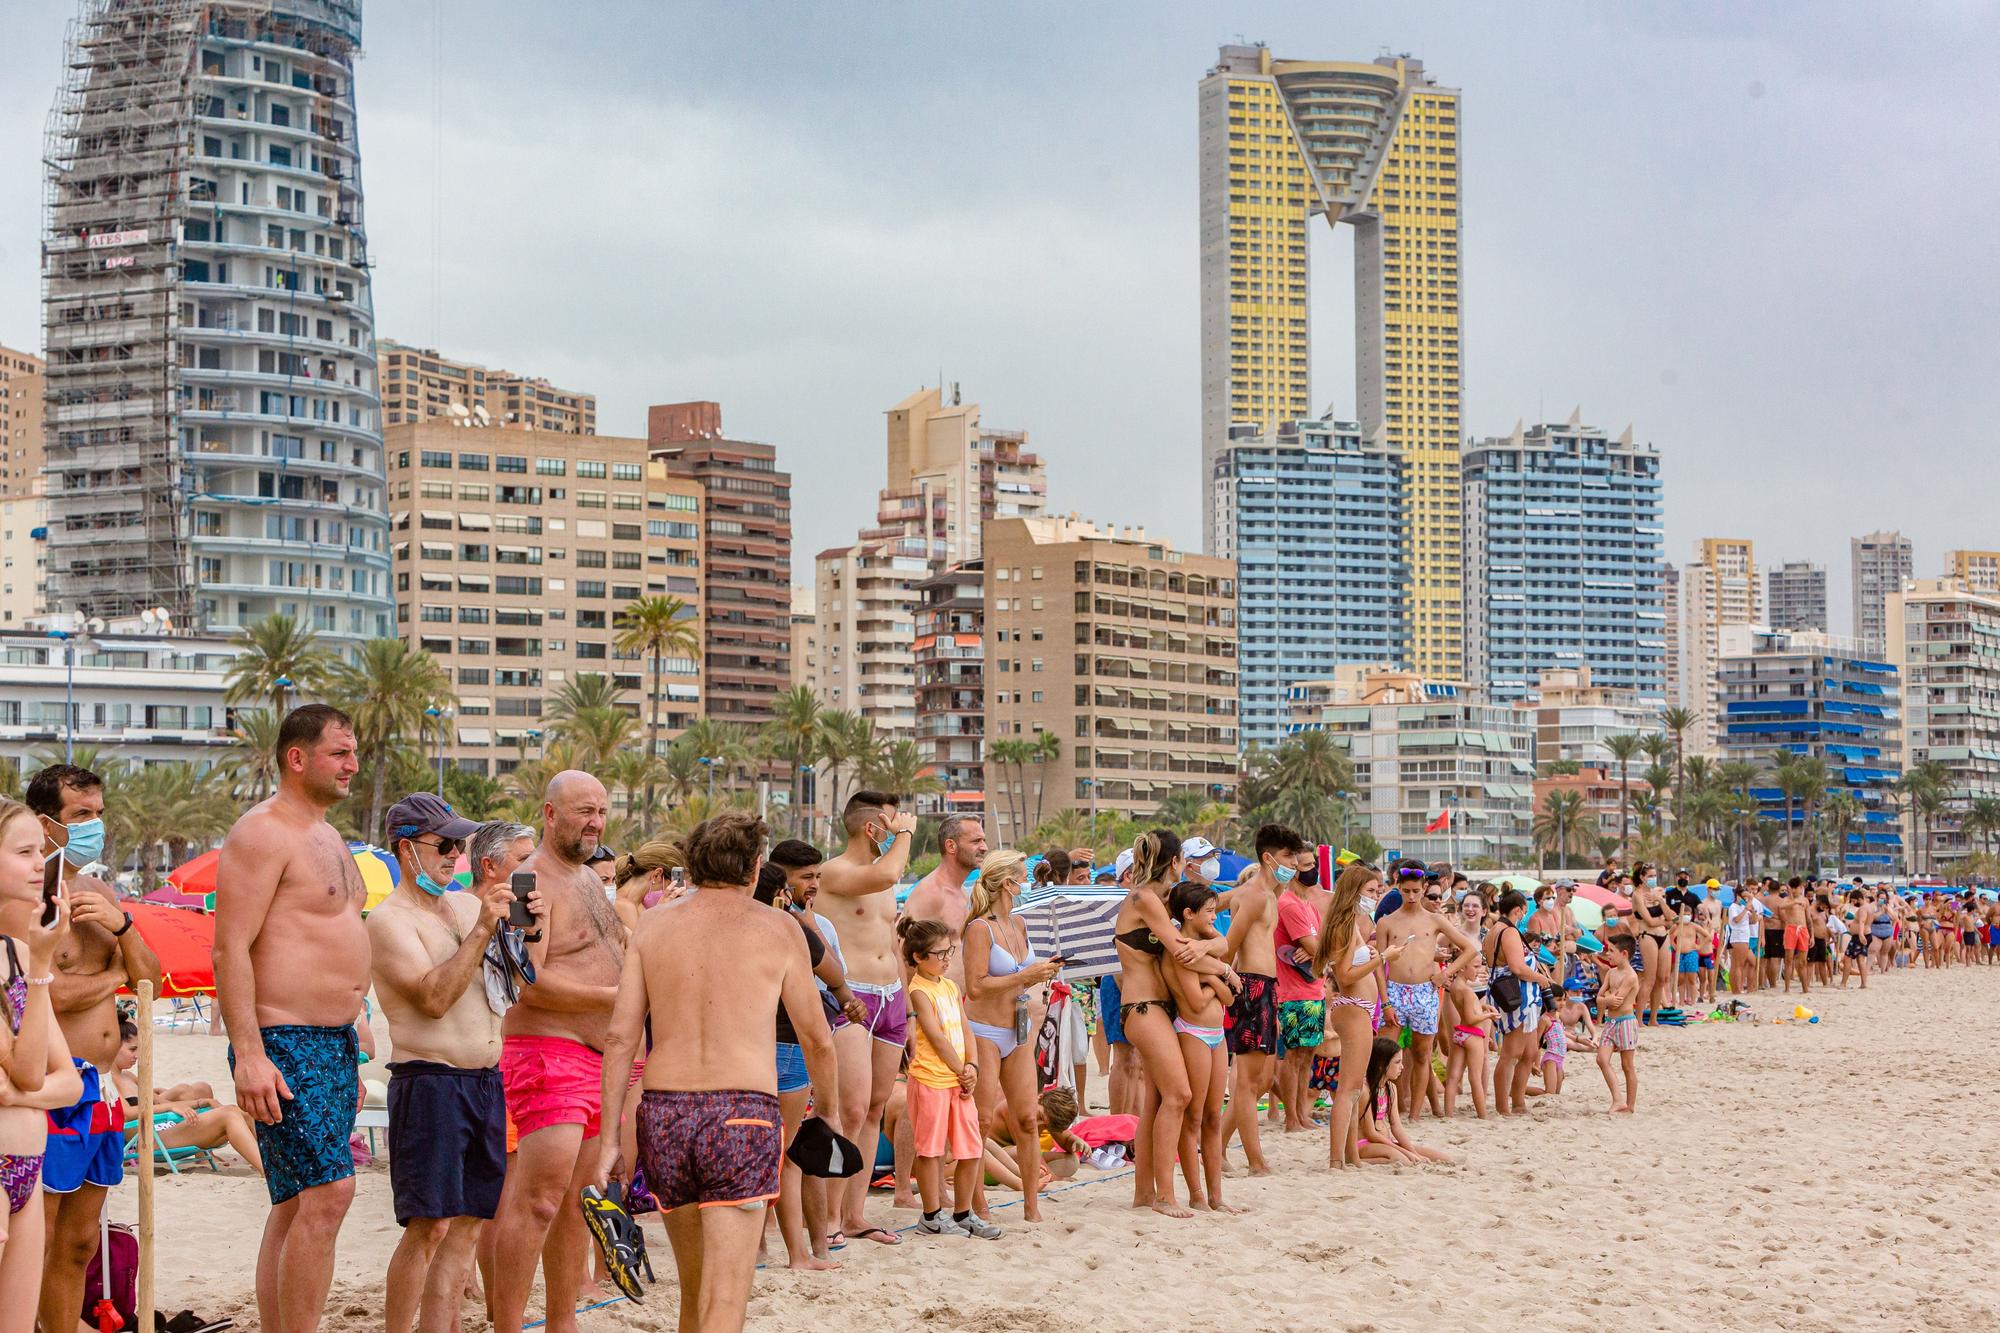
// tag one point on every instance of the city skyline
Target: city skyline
(1064, 288)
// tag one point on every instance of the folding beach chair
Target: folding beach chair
(171, 1158)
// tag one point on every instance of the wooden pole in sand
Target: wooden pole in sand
(145, 1141)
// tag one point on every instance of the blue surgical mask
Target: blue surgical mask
(1284, 874)
(431, 886)
(884, 847)
(85, 843)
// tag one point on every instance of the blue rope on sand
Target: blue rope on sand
(1011, 1203)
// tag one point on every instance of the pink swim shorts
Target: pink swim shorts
(552, 1081)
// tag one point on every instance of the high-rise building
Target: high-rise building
(419, 384)
(866, 602)
(1429, 753)
(1979, 569)
(24, 509)
(805, 639)
(1805, 692)
(1122, 649)
(746, 557)
(955, 473)
(951, 685)
(1718, 588)
(1374, 145)
(1563, 560)
(1882, 561)
(514, 556)
(1797, 595)
(1670, 608)
(1575, 717)
(214, 442)
(1313, 517)
(1945, 639)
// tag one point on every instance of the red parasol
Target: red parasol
(197, 877)
(184, 942)
(1603, 897)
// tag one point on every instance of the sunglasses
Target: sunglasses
(444, 846)
(1409, 872)
(1434, 897)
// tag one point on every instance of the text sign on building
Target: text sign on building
(106, 240)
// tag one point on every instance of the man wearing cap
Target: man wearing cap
(447, 1116)
(1204, 863)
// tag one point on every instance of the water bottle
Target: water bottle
(1021, 1017)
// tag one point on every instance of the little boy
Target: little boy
(1687, 956)
(1615, 999)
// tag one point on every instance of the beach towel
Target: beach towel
(1056, 1050)
(1100, 1130)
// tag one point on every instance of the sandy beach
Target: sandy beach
(1834, 1176)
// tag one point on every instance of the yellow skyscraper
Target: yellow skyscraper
(1373, 145)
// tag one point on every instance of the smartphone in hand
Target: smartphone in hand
(52, 869)
(518, 914)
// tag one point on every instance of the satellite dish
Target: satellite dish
(93, 626)
(148, 617)
(166, 618)
(482, 416)
(457, 410)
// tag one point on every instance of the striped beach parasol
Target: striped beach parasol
(1076, 921)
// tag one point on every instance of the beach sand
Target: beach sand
(1835, 1176)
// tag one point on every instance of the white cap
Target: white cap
(1124, 862)
(1197, 848)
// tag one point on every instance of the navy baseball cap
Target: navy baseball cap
(424, 813)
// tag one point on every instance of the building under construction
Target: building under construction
(214, 431)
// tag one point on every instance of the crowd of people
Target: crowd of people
(668, 1029)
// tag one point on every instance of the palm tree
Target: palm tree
(1813, 779)
(585, 692)
(1927, 785)
(166, 805)
(1677, 721)
(253, 759)
(1844, 814)
(1559, 827)
(999, 754)
(656, 626)
(903, 768)
(598, 735)
(1623, 747)
(1739, 776)
(1045, 750)
(726, 745)
(845, 739)
(792, 736)
(1181, 808)
(1066, 828)
(389, 689)
(280, 656)
(1982, 820)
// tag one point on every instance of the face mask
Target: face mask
(1310, 876)
(885, 846)
(430, 886)
(86, 842)
(1211, 868)
(1283, 874)
(1652, 882)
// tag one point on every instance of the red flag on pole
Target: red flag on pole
(1441, 823)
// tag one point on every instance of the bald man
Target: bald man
(552, 1058)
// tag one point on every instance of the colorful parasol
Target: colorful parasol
(196, 879)
(184, 942)
(1602, 897)
(378, 872)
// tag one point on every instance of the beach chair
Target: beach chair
(171, 1158)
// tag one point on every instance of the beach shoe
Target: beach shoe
(941, 1225)
(618, 1238)
(976, 1226)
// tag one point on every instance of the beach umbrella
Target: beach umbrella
(379, 874)
(184, 942)
(461, 874)
(1075, 920)
(1602, 897)
(1525, 883)
(169, 896)
(1232, 866)
(197, 877)
(1587, 913)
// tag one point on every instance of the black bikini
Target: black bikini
(1142, 940)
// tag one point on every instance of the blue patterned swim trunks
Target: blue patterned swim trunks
(1416, 1005)
(309, 1146)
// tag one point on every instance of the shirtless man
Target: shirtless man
(1792, 904)
(1253, 952)
(100, 953)
(940, 895)
(552, 1060)
(857, 890)
(291, 967)
(1412, 978)
(447, 1111)
(709, 1135)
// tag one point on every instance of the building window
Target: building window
(510, 463)
(551, 467)
(433, 458)
(472, 462)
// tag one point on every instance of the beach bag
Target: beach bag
(122, 1247)
(1503, 985)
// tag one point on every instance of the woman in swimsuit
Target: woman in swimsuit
(1003, 983)
(1353, 1003)
(1649, 922)
(1144, 934)
(1201, 1012)
(183, 1116)
(1519, 1027)
(34, 1060)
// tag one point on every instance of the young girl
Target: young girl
(1471, 1037)
(1383, 1137)
(1202, 1005)
(34, 1059)
(943, 1117)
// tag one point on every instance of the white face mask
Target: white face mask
(1211, 868)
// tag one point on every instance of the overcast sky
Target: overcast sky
(1762, 234)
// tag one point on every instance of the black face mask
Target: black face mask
(1310, 875)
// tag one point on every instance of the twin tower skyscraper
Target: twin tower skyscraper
(1374, 146)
